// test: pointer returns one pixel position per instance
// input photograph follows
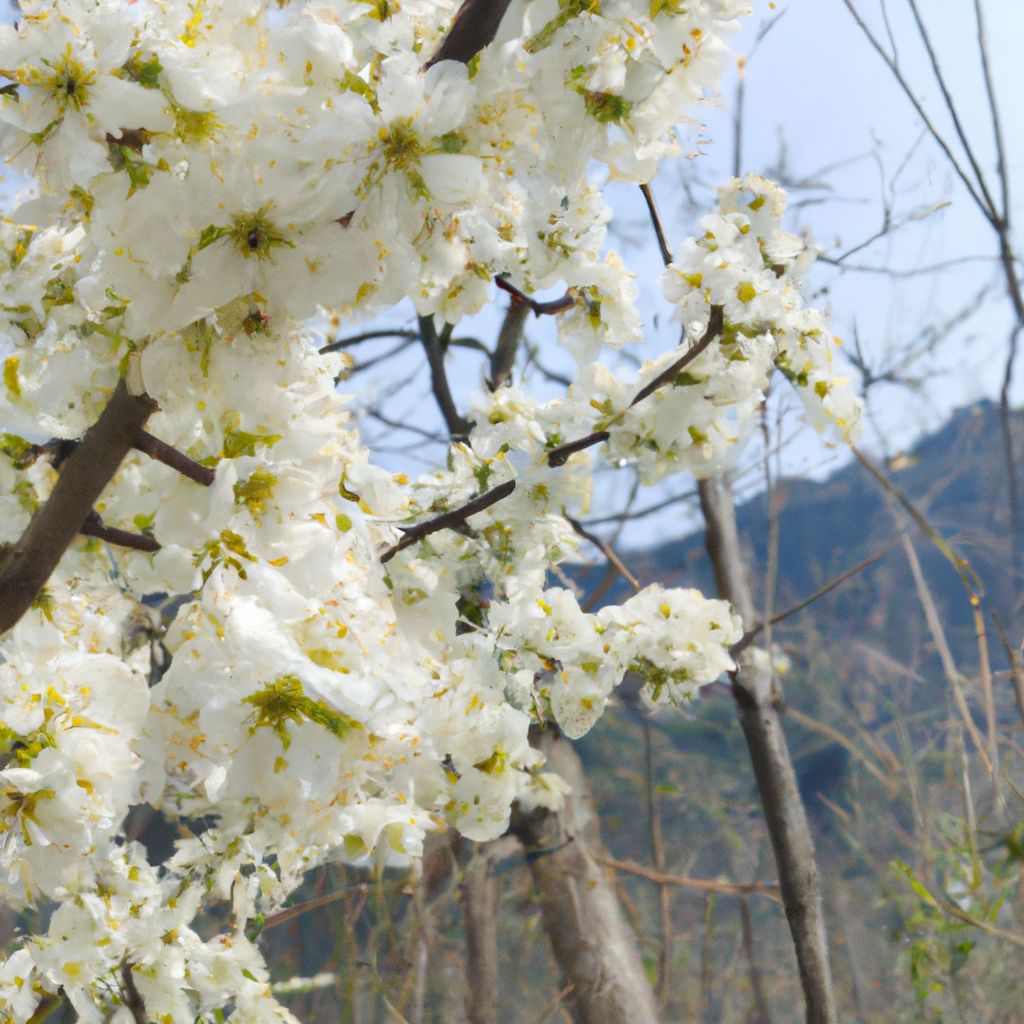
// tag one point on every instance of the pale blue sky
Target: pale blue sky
(821, 108)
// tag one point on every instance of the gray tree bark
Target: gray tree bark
(479, 894)
(758, 701)
(591, 940)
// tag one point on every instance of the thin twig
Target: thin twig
(361, 366)
(641, 513)
(411, 427)
(894, 68)
(93, 527)
(838, 736)
(933, 59)
(390, 332)
(659, 231)
(714, 329)
(556, 1003)
(969, 578)
(976, 922)
(447, 520)
(903, 272)
(763, 1014)
(1002, 171)
(952, 673)
(539, 308)
(658, 856)
(605, 550)
(752, 634)
(560, 455)
(629, 867)
(159, 450)
(1016, 670)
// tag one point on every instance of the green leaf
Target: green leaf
(210, 234)
(903, 870)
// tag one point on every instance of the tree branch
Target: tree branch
(629, 867)
(169, 456)
(560, 455)
(659, 231)
(714, 329)
(755, 631)
(556, 457)
(503, 358)
(458, 425)
(447, 520)
(83, 476)
(131, 996)
(475, 26)
(94, 527)
(758, 704)
(606, 550)
(539, 308)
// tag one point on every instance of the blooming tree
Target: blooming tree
(350, 658)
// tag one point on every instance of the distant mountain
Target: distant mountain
(878, 738)
(956, 477)
(863, 657)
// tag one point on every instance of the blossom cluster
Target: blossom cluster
(207, 176)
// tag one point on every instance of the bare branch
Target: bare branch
(659, 231)
(458, 425)
(503, 358)
(131, 996)
(411, 427)
(560, 456)
(605, 550)
(641, 513)
(890, 63)
(754, 632)
(714, 329)
(769, 889)
(758, 701)
(556, 457)
(997, 124)
(996, 215)
(357, 339)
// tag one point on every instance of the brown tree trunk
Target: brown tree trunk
(83, 476)
(590, 938)
(758, 701)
